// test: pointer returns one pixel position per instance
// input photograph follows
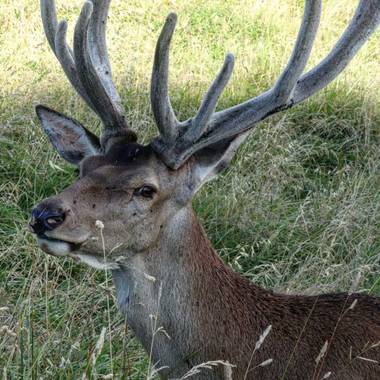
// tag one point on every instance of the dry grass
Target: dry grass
(298, 210)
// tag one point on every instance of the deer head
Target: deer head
(134, 189)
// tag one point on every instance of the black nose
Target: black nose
(45, 219)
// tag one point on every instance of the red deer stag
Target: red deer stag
(154, 243)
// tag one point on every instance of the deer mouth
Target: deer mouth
(64, 248)
(57, 247)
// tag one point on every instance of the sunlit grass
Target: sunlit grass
(299, 210)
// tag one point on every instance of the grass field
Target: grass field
(298, 211)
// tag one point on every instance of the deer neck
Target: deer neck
(183, 290)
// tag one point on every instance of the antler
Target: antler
(87, 67)
(179, 140)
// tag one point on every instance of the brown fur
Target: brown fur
(235, 313)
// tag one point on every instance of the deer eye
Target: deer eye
(145, 191)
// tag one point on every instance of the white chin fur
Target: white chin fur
(61, 248)
(93, 261)
(56, 248)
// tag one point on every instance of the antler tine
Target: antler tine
(364, 22)
(93, 66)
(88, 68)
(97, 40)
(166, 120)
(56, 36)
(290, 89)
(301, 51)
(207, 108)
(49, 21)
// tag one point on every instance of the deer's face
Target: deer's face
(117, 206)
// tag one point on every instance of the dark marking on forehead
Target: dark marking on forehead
(126, 154)
(120, 154)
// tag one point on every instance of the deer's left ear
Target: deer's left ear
(71, 140)
(210, 161)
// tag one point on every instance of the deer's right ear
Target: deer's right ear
(71, 140)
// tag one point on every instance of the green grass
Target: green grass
(298, 211)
